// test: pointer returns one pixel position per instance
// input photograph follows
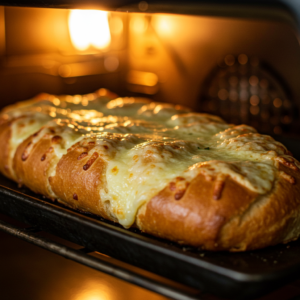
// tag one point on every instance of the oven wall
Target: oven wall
(165, 57)
(38, 56)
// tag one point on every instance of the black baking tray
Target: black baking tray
(229, 275)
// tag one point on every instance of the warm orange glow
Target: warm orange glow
(89, 28)
(94, 290)
(116, 25)
(142, 78)
(164, 24)
(139, 24)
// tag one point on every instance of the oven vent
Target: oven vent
(242, 89)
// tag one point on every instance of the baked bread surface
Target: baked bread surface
(184, 176)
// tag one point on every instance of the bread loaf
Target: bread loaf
(184, 176)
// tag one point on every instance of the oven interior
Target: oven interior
(244, 69)
(243, 65)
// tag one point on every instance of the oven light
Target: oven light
(163, 24)
(89, 28)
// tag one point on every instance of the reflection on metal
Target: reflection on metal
(79, 256)
(218, 8)
(110, 64)
(89, 28)
(56, 66)
(142, 78)
(142, 82)
(2, 31)
(242, 90)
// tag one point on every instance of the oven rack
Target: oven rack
(83, 256)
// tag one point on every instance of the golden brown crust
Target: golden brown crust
(5, 135)
(239, 220)
(197, 217)
(31, 164)
(271, 219)
(80, 174)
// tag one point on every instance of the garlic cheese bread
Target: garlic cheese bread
(180, 175)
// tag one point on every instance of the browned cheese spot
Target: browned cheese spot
(149, 152)
(73, 147)
(91, 161)
(21, 125)
(56, 139)
(82, 155)
(26, 153)
(75, 197)
(287, 177)
(43, 157)
(148, 158)
(81, 149)
(219, 186)
(115, 170)
(175, 147)
(31, 122)
(91, 143)
(105, 147)
(289, 164)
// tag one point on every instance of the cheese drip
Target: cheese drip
(149, 144)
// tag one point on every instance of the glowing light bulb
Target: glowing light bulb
(89, 28)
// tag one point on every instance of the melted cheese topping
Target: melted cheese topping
(147, 145)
